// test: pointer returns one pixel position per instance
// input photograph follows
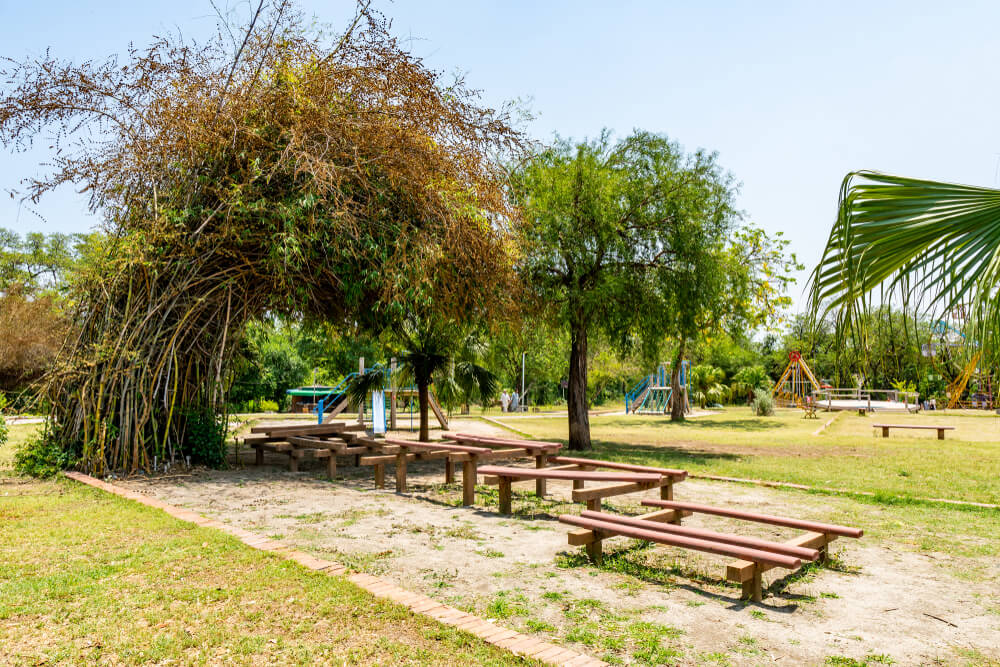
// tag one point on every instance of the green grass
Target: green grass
(909, 464)
(88, 577)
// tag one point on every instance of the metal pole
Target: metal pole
(392, 394)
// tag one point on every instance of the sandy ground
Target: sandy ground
(878, 600)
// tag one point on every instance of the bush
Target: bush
(205, 438)
(763, 404)
(42, 456)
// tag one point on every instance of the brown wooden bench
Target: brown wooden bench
(748, 571)
(940, 429)
(616, 482)
(810, 411)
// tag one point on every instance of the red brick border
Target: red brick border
(515, 642)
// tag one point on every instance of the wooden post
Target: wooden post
(940, 434)
(401, 470)
(258, 458)
(392, 395)
(469, 481)
(752, 587)
(361, 404)
(577, 484)
(505, 495)
(293, 463)
(379, 475)
(331, 465)
(449, 471)
(885, 431)
(540, 483)
(667, 491)
(594, 504)
(594, 551)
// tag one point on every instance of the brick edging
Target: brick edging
(509, 640)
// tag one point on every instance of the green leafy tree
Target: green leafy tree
(604, 222)
(748, 380)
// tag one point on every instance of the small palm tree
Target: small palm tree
(432, 351)
(748, 380)
(706, 381)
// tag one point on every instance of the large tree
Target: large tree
(603, 221)
(281, 172)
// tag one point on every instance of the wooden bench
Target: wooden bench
(940, 429)
(748, 571)
(624, 482)
(810, 411)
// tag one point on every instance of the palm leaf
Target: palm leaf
(361, 385)
(895, 237)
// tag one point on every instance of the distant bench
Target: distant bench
(940, 429)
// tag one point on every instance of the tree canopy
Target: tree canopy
(281, 173)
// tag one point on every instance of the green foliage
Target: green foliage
(41, 455)
(904, 385)
(749, 379)
(763, 403)
(205, 437)
(269, 364)
(706, 383)
(44, 262)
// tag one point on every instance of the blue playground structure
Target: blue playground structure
(335, 401)
(653, 394)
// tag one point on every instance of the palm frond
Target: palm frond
(936, 243)
(361, 385)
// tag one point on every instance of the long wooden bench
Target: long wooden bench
(624, 481)
(940, 429)
(748, 571)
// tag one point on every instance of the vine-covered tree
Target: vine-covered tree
(281, 172)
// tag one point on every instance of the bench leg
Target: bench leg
(940, 434)
(667, 491)
(752, 587)
(401, 473)
(293, 463)
(577, 484)
(468, 482)
(595, 553)
(331, 465)
(594, 504)
(885, 432)
(379, 475)
(505, 495)
(258, 457)
(540, 483)
(449, 471)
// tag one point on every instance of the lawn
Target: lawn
(89, 577)
(846, 455)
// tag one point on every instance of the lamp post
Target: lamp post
(523, 400)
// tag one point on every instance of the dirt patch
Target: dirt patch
(646, 605)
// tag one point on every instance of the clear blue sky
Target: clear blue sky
(791, 94)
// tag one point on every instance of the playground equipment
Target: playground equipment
(330, 402)
(972, 377)
(796, 384)
(653, 395)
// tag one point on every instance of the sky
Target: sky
(792, 95)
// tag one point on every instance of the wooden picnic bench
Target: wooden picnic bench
(754, 556)
(940, 429)
(626, 478)
(810, 411)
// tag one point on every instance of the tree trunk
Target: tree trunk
(423, 393)
(576, 400)
(677, 401)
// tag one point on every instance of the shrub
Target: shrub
(42, 456)
(763, 404)
(205, 438)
